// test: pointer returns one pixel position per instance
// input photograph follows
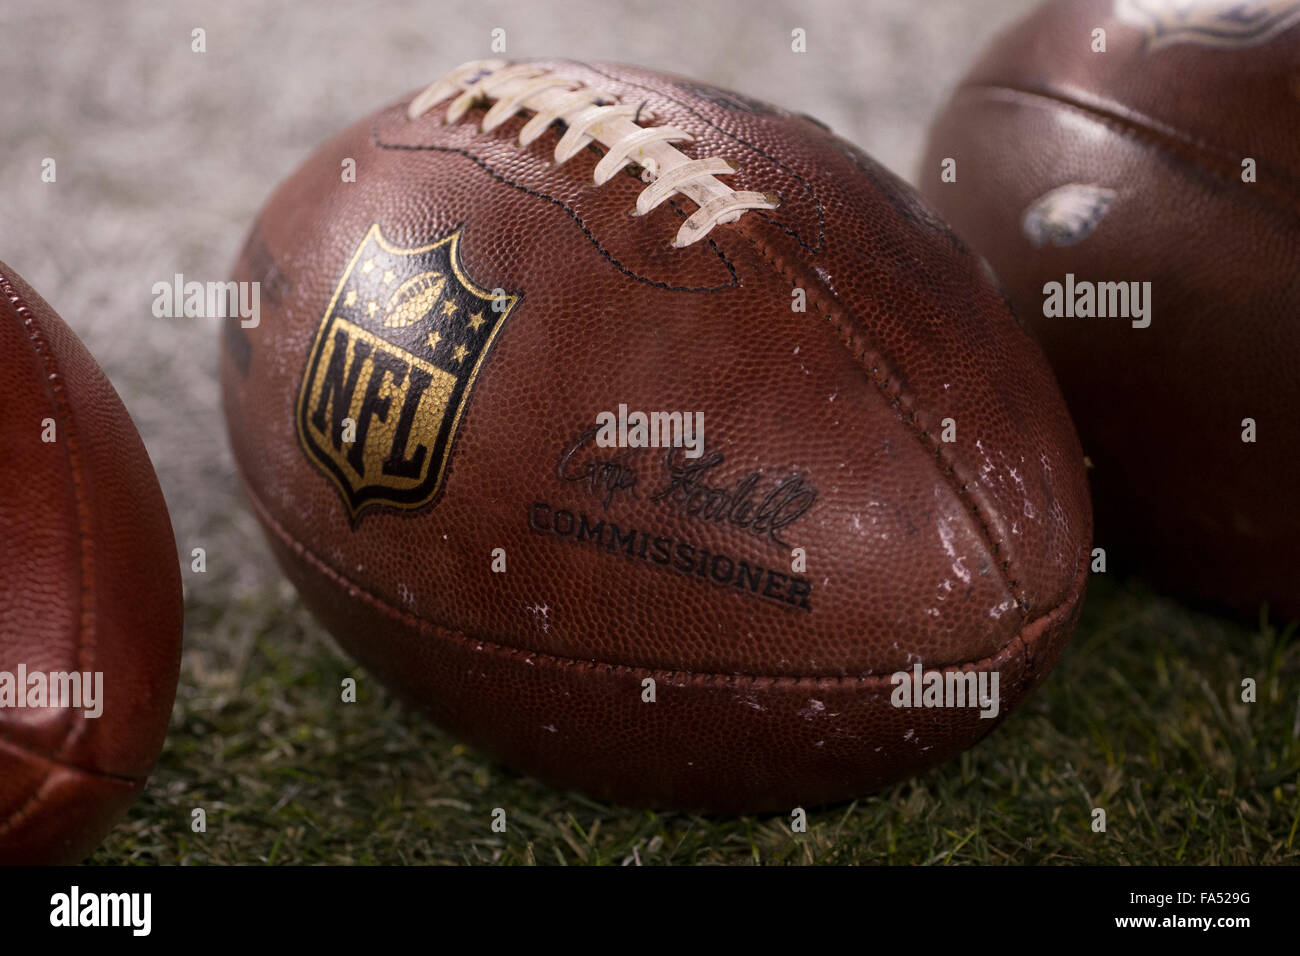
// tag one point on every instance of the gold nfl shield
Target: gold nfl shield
(391, 370)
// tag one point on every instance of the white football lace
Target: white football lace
(590, 116)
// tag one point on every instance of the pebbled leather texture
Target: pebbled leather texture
(89, 581)
(1162, 121)
(967, 554)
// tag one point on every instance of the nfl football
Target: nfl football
(653, 439)
(90, 594)
(1141, 204)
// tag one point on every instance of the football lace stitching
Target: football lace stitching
(591, 116)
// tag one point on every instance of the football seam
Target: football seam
(572, 213)
(1193, 150)
(735, 137)
(66, 422)
(905, 406)
(22, 813)
(95, 772)
(1021, 638)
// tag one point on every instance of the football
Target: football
(653, 439)
(90, 594)
(1151, 185)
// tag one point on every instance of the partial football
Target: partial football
(653, 439)
(90, 594)
(1141, 203)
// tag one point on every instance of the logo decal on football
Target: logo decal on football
(1230, 23)
(395, 358)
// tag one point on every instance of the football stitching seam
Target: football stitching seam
(803, 181)
(1166, 138)
(85, 618)
(446, 632)
(94, 772)
(890, 385)
(500, 177)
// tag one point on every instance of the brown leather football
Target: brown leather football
(89, 585)
(1170, 159)
(886, 479)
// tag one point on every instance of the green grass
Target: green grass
(1143, 718)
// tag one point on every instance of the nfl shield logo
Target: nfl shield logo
(391, 369)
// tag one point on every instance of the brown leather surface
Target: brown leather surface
(89, 581)
(1164, 120)
(952, 554)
